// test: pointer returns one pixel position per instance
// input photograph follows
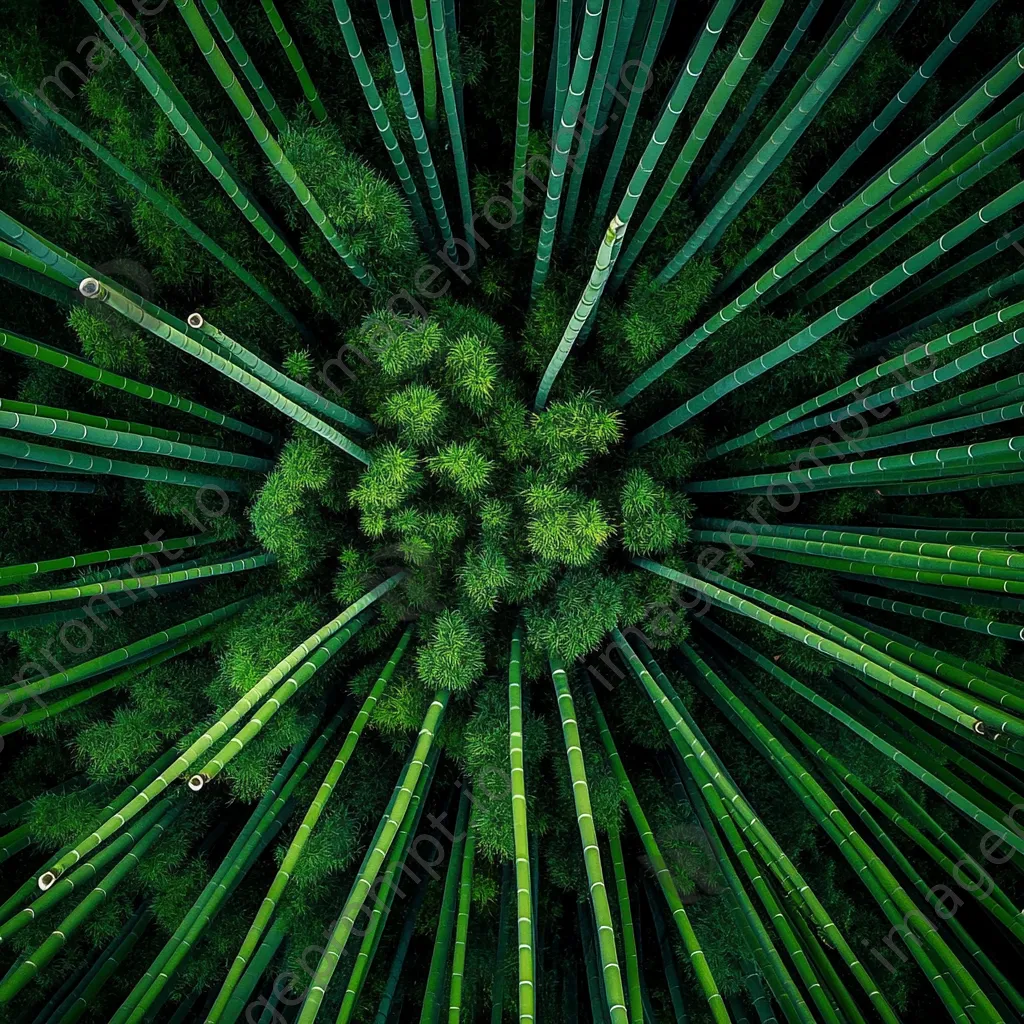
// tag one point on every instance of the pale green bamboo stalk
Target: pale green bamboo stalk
(242, 706)
(274, 703)
(524, 882)
(81, 368)
(585, 308)
(233, 869)
(264, 139)
(291, 51)
(388, 883)
(195, 139)
(251, 828)
(294, 852)
(279, 381)
(360, 889)
(105, 422)
(462, 924)
(124, 440)
(93, 289)
(157, 579)
(59, 937)
(611, 975)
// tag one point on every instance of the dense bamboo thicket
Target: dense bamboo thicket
(511, 511)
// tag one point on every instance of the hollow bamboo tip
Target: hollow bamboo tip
(197, 782)
(89, 287)
(46, 879)
(195, 320)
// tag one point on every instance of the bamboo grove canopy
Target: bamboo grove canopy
(512, 512)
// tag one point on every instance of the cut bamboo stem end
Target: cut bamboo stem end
(197, 782)
(195, 320)
(46, 880)
(90, 288)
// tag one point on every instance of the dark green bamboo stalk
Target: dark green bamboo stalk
(433, 996)
(196, 140)
(81, 368)
(880, 187)
(261, 133)
(90, 288)
(527, 50)
(294, 58)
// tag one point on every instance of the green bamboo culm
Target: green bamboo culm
(524, 97)
(82, 368)
(585, 309)
(927, 71)
(590, 114)
(154, 196)
(876, 190)
(524, 883)
(261, 133)
(177, 768)
(444, 47)
(656, 859)
(241, 57)
(298, 65)
(564, 134)
(195, 139)
(127, 441)
(298, 393)
(361, 887)
(306, 827)
(380, 115)
(412, 115)
(462, 923)
(720, 96)
(433, 996)
(90, 288)
(831, 321)
(611, 974)
(103, 422)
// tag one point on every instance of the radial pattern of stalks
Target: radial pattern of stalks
(511, 512)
